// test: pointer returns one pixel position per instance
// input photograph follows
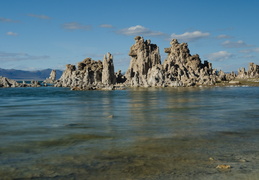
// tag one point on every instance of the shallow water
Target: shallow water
(156, 133)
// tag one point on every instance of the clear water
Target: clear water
(155, 133)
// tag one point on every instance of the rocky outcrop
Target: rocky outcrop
(89, 74)
(5, 82)
(52, 78)
(253, 72)
(108, 76)
(183, 69)
(120, 78)
(144, 56)
(179, 69)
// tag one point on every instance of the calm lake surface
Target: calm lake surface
(155, 133)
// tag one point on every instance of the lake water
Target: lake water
(155, 133)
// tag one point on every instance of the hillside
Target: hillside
(28, 75)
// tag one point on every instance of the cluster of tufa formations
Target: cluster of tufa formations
(89, 75)
(179, 69)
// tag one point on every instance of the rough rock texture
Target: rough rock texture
(90, 74)
(183, 69)
(5, 82)
(108, 76)
(179, 69)
(144, 56)
(253, 72)
(33, 84)
(120, 78)
(52, 78)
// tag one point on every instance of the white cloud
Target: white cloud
(7, 20)
(219, 56)
(106, 26)
(11, 33)
(223, 36)
(232, 44)
(5, 56)
(250, 50)
(190, 36)
(39, 16)
(139, 30)
(76, 26)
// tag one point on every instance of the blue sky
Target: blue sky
(39, 34)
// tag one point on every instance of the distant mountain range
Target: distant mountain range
(19, 75)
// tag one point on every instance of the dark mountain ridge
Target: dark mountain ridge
(19, 75)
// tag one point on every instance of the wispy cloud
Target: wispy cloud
(237, 44)
(76, 26)
(11, 33)
(5, 56)
(8, 20)
(223, 36)
(39, 16)
(219, 56)
(139, 30)
(190, 36)
(106, 26)
(250, 50)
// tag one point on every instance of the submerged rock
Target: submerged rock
(223, 166)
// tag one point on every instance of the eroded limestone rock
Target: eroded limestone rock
(144, 56)
(183, 69)
(253, 72)
(52, 78)
(5, 82)
(108, 76)
(89, 75)
(180, 69)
